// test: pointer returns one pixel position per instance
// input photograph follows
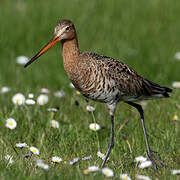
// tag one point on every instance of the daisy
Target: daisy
(59, 94)
(125, 177)
(75, 160)
(56, 159)
(90, 108)
(42, 99)
(22, 60)
(44, 90)
(43, 165)
(94, 126)
(34, 150)
(54, 124)
(145, 164)
(9, 158)
(93, 168)
(30, 101)
(140, 159)
(176, 84)
(107, 172)
(87, 157)
(142, 177)
(21, 145)
(11, 123)
(18, 99)
(101, 155)
(175, 171)
(30, 95)
(4, 89)
(177, 55)
(52, 109)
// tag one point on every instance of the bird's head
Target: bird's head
(64, 31)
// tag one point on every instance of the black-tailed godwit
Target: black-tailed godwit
(104, 79)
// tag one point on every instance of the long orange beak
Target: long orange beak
(52, 42)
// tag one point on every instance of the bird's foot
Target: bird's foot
(153, 157)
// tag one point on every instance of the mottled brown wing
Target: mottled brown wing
(126, 79)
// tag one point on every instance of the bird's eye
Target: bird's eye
(67, 28)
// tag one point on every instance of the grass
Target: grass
(142, 34)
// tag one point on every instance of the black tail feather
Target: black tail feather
(153, 89)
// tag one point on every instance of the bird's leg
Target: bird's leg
(150, 152)
(111, 141)
(111, 109)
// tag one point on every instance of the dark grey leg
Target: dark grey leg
(111, 141)
(149, 151)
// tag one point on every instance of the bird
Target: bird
(104, 79)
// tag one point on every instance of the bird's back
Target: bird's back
(106, 79)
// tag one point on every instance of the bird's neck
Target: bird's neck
(70, 50)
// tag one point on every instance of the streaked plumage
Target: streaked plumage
(103, 79)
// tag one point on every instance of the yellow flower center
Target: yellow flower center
(101, 154)
(78, 93)
(107, 172)
(94, 127)
(18, 100)
(85, 171)
(10, 123)
(54, 124)
(56, 160)
(175, 117)
(43, 100)
(34, 150)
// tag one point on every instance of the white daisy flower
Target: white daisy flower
(44, 90)
(107, 172)
(52, 109)
(54, 124)
(101, 155)
(30, 95)
(9, 158)
(11, 123)
(125, 177)
(175, 171)
(30, 101)
(94, 126)
(176, 84)
(90, 108)
(142, 177)
(42, 99)
(18, 99)
(56, 159)
(140, 159)
(145, 164)
(43, 165)
(87, 157)
(22, 60)
(177, 55)
(75, 160)
(59, 94)
(4, 89)
(71, 85)
(21, 145)
(93, 168)
(34, 150)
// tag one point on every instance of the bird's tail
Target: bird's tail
(154, 90)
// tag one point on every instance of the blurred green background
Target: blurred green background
(143, 34)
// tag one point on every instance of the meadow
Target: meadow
(143, 34)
